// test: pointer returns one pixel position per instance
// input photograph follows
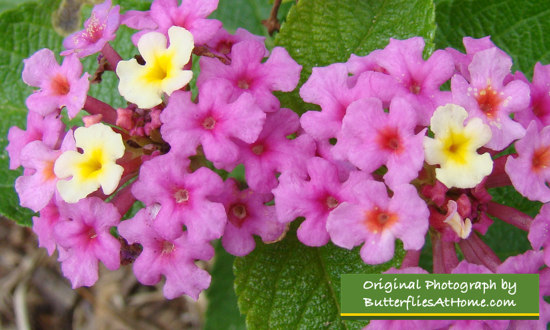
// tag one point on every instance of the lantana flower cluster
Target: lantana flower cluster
(392, 154)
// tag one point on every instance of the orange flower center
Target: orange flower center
(60, 85)
(541, 159)
(378, 220)
(488, 101)
(388, 138)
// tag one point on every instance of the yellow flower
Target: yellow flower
(95, 167)
(454, 147)
(163, 70)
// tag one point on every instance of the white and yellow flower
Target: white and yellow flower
(95, 167)
(454, 147)
(163, 70)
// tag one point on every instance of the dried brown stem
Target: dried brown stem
(272, 23)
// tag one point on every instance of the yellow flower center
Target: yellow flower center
(456, 146)
(160, 68)
(91, 167)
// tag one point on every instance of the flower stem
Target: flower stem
(499, 177)
(411, 259)
(124, 200)
(94, 106)
(477, 252)
(111, 56)
(444, 255)
(509, 215)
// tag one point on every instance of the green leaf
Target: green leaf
(9, 4)
(248, 14)
(222, 311)
(521, 28)
(288, 285)
(318, 33)
(25, 30)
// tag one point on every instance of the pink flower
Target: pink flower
(472, 46)
(530, 171)
(222, 42)
(49, 130)
(371, 138)
(247, 73)
(488, 97)
(529, 262)
(38, 184)
(274, 153)
(248, 215)
(314, 199)
(183, 198)
(378, 220)
(99, 29)
(214, 122)
(419, 80)
(332, 88)
(43, 226)
(539, 108)
(539, 235)
(190, 14)
(60, 86)
(83, 233)
(173, 258)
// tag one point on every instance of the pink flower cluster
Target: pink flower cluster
(354, 173)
